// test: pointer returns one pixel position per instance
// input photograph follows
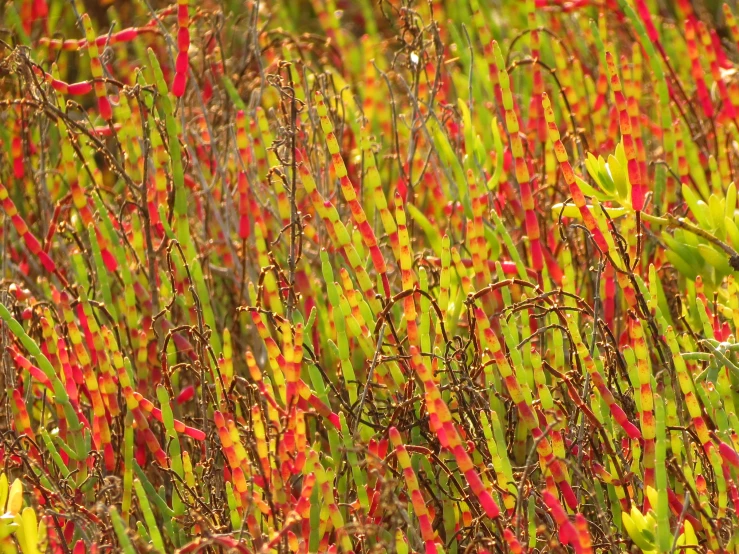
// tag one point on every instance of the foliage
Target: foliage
(369, 276)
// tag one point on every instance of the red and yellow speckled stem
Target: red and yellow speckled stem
(182, 63)
(569, 176)
(96, 68)
(638, 191)
(522, 173)
(350, 195)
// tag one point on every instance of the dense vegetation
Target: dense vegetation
(369, 276)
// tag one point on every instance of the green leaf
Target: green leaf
(495, 178)
(730, 203)
(682, 266)
(587, 190)
(697, 207)
(597, 169)
(717, 259)
(430, 230)
(617, 172)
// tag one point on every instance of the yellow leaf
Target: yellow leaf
(634, 531)
(573, 212)
(15, 497)
(3, 490)
(30, 530)
(620, 178)
(652, 495)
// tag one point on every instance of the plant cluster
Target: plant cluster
(380, 276)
